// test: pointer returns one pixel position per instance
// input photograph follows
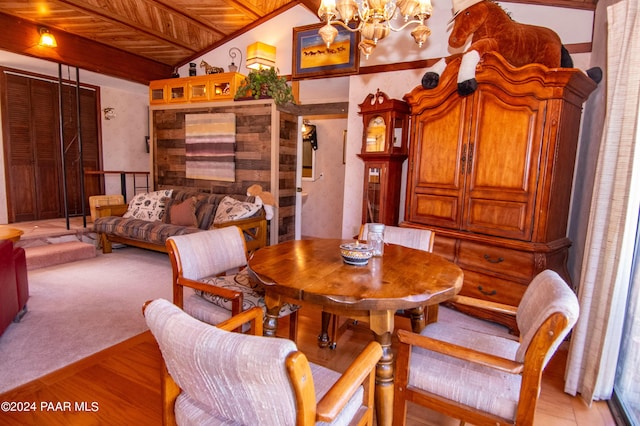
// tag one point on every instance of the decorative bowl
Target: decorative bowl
(356, 253)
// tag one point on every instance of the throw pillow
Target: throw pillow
(232, 209)
(148, 206)
(184, 213)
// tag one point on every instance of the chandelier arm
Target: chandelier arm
(345, 26)
(406, 24)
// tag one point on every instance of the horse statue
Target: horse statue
(493, 30)
(209, 69)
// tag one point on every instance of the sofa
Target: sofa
(14, 286)
(150, 218)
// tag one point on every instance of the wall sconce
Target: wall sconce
(46, 38)
(261, 55)
(232, 53)
(109, 113)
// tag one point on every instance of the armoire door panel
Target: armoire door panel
(498, 218)
(440, 210)
(439, 148)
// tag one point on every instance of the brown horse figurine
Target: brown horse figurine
(492, 30)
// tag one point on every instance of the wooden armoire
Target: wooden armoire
(491, 173)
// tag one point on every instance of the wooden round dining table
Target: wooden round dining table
(312, 271)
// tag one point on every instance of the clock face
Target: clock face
(376, 131)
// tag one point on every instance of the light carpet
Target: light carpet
(79, 308)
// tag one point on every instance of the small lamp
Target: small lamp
(261, 55)
(46, 38)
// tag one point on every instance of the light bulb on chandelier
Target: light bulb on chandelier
(374, 19)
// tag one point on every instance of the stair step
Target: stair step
(55, 254)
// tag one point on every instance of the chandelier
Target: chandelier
(374, 19)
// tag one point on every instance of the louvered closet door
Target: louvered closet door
(32, 150)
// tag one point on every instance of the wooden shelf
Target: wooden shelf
(204, 88)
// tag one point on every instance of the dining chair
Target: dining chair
(211, 375)
(417, 238)
(479, 377)
(213, 264)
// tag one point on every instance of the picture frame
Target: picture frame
(312, 59)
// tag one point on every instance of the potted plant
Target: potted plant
(265, 83)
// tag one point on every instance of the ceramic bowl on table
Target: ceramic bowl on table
(356, 253)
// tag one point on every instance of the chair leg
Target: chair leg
(293, 326)
(334, 332)
(323, 337)
(432, 314)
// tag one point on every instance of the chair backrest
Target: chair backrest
(547, 294)
(237, 376)
(421, 239)
(207, 253)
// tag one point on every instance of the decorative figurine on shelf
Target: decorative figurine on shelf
(192, 69)
(208, 69)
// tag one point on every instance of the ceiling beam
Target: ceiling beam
(21, 36)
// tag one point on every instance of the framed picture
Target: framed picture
(312, 58)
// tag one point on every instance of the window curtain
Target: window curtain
(606, 268)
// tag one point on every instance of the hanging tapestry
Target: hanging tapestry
(210, 146)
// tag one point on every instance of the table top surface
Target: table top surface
(7, 233)
(313, 270)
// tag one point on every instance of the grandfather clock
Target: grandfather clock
(384, 149)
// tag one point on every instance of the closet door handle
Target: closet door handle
(486, 293)
(490, 260)
(470, 159)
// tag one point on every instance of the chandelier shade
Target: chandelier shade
(374, 18)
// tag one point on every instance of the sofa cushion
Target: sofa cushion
(139, 229)
(232, 209)
(183, 213)
(149, 206)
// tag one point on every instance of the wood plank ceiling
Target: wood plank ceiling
(143, 40)
(118, 36)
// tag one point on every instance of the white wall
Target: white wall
(123, 138)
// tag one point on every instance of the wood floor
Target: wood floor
(120, 386)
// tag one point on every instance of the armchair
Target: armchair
(481, 378)
(14, 285)
(213, 376)
(213, 263)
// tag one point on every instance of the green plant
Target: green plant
(265, 82)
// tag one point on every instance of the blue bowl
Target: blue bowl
(356, 253)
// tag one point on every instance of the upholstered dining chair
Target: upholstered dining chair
(417, 238)
(213, 264)
(481, 378)
(214, 376)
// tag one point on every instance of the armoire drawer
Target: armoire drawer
(503, 261)
(486, 287)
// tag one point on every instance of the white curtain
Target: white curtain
(606, 267)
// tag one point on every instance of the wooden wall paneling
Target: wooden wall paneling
(265, 155)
